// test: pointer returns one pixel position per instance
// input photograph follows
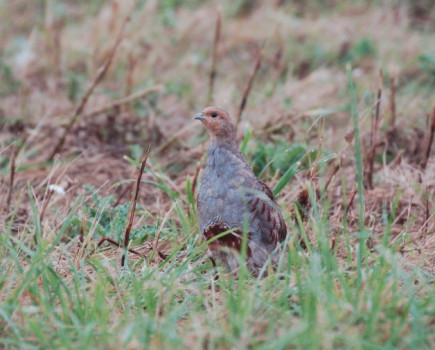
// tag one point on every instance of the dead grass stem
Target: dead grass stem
(247, 90)
(82, 104)
(119, 245)
(123, 101)
(131, 215)
(133, 205)
(374, 128)
(217, 35)
(11, 181)
(430, 139)
(393, 101)
(47, 200)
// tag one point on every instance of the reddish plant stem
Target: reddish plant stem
(134, 201)
(11, 181)
(247, 90)
(47, 201)
(349, 204)
(334, 171)
(119, 245)
(430, 140)
(217, 35)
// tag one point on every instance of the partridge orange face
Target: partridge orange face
(217, 122)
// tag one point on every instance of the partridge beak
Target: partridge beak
(199, 116)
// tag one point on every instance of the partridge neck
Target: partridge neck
(227, 143)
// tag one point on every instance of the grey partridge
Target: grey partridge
(231, 197)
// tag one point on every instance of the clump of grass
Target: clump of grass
(361, 49)
(50, 299)
(10, 84)
(279, 156)
(106, 220)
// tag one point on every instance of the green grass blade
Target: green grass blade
(245, 141)
(288, 175)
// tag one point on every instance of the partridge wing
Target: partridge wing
(265, 216)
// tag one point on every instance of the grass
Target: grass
(357, 270)
(312, 300)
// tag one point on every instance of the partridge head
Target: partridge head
(218, 124)
(232, 198)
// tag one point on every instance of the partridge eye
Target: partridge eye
(214, 115)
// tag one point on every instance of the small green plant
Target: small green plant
(280, 156)
(74, 84)
(427, 65)
(9, 84)
(107, 220)
(362, 48)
